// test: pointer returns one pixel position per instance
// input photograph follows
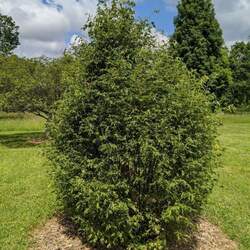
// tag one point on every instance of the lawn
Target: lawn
(26, 193)
(229, 204)
(26, 197)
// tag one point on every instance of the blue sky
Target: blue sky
(48, 26)
(157, 11)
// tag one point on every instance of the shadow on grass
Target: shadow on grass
(11, 116)
(22, 140)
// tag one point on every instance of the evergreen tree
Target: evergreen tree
(198, 41)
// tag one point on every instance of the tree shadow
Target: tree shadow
(191, 244)
(11, 116)
(22, 140)
(70, 229)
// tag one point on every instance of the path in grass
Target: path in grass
(229, 205)
(26, 197)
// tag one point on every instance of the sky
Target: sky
(47, 27)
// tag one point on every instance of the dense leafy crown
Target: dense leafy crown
(240, 65)
(132, 145)
(8, 35)
(32, 85)
(198, 41)
(114, 34)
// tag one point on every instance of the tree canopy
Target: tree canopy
(9, 35)
(240, 65)
(198, 41)
(32, 85)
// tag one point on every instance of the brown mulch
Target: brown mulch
(36, 141)
(59, 234)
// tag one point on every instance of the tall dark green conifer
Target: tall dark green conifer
(198, 41)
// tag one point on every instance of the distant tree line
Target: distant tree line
(34, 85)
(30, 84)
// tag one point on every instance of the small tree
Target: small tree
(240, 65)
(198, 41)
(8, 35)
(133, 145)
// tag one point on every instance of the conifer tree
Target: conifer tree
(198, 41)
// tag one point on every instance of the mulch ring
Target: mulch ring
(59, 234)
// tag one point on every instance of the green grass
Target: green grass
(26, 197)
(27, 200)
(20, 123)
(229, 204)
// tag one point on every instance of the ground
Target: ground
(56, 234)
(26, 197)
(229, 204)
(27, 200)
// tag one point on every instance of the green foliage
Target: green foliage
(198, 41)
(240, 65)
(114, 34)
(32, 85)
(8, 35)
(133, 146)
(27, 197)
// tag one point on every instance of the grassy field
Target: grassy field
(229, 204)
(26, 197)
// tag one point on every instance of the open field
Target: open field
(26, 197)
(26, 193)
(229, 205)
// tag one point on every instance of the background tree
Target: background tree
(8, 35)
(32, 85)
(240, 65)
(198, 41)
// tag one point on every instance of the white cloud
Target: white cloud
(36, 48)
(234, 17)
(160, 37)
(44, 27)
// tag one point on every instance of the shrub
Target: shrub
(134, 151)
